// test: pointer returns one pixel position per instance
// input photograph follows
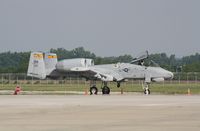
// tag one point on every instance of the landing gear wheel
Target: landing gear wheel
(105, 90)
(118, 84)
(147, 92)
(93, 90)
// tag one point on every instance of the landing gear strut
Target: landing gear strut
(146, 89)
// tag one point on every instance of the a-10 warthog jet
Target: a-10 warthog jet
(46, 65)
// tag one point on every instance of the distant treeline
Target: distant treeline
(17, 62)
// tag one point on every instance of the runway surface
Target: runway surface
(99, 113)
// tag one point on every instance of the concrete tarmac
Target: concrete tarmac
(99, 113)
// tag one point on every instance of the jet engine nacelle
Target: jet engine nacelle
(158, 79)
(68, 64)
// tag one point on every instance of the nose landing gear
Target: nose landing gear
(146, 89)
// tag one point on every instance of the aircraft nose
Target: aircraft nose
(171, 75)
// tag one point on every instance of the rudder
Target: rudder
(50, 60)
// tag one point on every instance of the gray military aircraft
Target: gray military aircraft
(46, 65)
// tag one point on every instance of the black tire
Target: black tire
(93, 90)
(105, 90)
(118, 84)
(147, 92)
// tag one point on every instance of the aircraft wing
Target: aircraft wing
(101, 73)
(106, 74)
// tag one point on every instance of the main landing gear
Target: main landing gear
(94, 89)
(105, 89)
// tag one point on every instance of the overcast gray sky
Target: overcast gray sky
(105, 27)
